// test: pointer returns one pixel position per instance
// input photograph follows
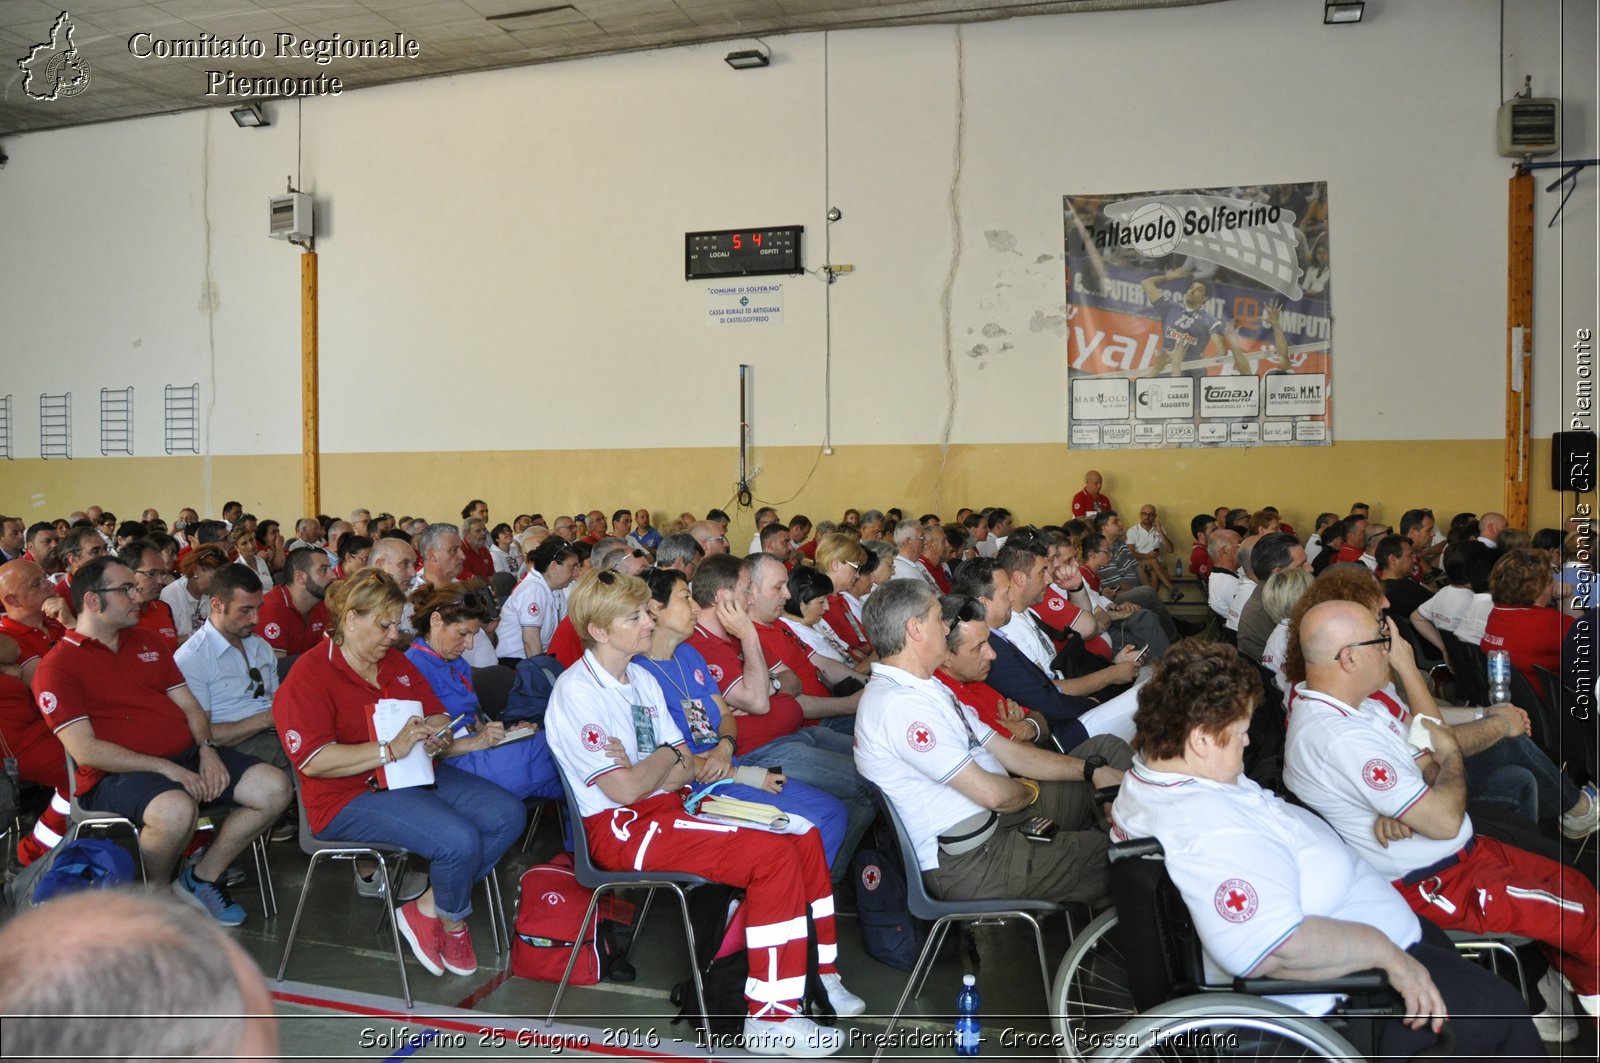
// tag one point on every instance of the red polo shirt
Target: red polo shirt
(156, 616)
(1200, 561)
(124, 693)
(726, 662)
(1086, 505)
(981, 698)
(40, 757)
(846, 625)
(782, 646)
(1057, 611)
(32, 641)
(476, 562)
(565, 645)
(325, 701)
(285, 629)
(1531, 634)
(1348, 554)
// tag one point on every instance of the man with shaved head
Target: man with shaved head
(34, 617)
(1089, 501)
(1397, 795)
(179, 986)
(1490, 525)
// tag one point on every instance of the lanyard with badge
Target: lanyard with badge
(701, 733)
(644, 730)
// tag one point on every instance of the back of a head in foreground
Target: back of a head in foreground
(75, 959)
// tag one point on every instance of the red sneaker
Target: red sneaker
(458, 954)
(423, 933)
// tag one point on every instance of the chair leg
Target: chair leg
(926, 957)
(638, 924)
(533, 825)
(294, 926)
(269, 895)
(572, 958)
(1044, 965)
(694, 964)
(497, 913)
(399, 952)
(936, 938)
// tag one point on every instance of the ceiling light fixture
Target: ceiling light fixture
(1336, 13)
(250, 116)
(748, 59)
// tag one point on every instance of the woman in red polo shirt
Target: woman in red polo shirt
(1522, 621)
(462, 825)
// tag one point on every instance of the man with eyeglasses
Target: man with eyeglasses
(152, 575)
(34, 617)
(143, 744)
(908, 542)
(1398, 796)
(713, 539)
(78, 547)
(231, 671)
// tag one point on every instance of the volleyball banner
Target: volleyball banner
(1199, 318)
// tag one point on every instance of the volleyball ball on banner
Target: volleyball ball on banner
(1155, 227)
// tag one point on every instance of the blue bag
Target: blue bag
(84, 864)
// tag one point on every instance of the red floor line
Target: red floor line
(477, 996)
(523, 1036)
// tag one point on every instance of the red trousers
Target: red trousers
(783, 876)
(1499, 889)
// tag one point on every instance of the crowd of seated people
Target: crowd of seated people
(975, 672)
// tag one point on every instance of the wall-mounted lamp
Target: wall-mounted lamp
(250, 116)
(1335, 12)
(748, 59)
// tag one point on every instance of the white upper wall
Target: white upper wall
(501, 253)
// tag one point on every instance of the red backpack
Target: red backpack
(550, 907)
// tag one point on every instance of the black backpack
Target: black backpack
(716, 912)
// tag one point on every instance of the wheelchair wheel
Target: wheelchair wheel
(1224, 1026)
(1090, 998)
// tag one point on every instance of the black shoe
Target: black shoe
(1189, 628)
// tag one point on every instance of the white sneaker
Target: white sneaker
(412, 886)
(794, 1036)
(845, 1003)
(1581, 826)
(1555, 1028)
(1556, 991)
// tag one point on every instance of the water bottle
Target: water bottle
(1499, 677)
(968, 1027)
(1177, 568)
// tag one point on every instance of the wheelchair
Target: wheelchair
(1132, 986)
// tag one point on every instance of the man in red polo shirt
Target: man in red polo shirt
(34, 617)
(1089, 501)
(799, 672)
(142, 743)
(772, 725)
(967, 666)
(476, 561)
(152, 575)
(293, 616)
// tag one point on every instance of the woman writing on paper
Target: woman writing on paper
(447, 620)
(323, 712)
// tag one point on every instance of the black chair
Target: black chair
(1546, 725)
(1578, 733)
(493, 687)
(1263, 757)
(941, 914)
(602, 882)
(1470, 668)
(284, 664)
(1425, 652)
(502, 583)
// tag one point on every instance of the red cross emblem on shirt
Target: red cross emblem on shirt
(871, 876)
(1236, 900)
(920, 737)
(593, 738)
(1379, 774)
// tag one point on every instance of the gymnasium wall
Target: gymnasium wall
(503, 312)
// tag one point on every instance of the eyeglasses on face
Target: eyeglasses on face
(121, 588)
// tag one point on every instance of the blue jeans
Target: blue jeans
(525, 767)
(463, 826)
(1517, 775)
(825, 759)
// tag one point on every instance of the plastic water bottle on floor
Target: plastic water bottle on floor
(1499, 677)
(968, 1028)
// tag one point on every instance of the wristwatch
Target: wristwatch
(1091, 765)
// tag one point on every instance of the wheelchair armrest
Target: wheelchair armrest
(1106, 794)
(1372, 981)
(1135, 848)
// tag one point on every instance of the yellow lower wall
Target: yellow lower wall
(1035, 480)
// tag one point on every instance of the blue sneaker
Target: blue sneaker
(210, 897)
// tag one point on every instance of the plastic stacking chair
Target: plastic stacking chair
(942, 913)
(81, 819)
(603, 882)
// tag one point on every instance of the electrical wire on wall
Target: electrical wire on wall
(946, 297)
